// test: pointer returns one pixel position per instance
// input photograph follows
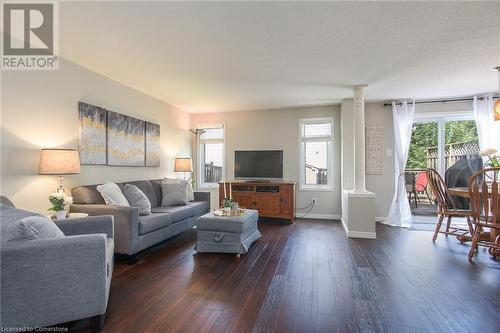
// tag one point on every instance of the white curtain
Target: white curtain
(402, 118)
(487, 129)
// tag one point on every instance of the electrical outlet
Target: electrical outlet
(314, 201)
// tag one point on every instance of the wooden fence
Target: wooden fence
(453, 153)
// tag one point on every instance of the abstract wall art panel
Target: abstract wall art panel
(92, 120)
(126, 142)
(152, 145)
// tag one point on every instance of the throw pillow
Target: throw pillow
(174, 194)
(32, 228)
(189, 185)
(137, 198)
(112, 194)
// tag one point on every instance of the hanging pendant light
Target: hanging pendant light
(496, 107)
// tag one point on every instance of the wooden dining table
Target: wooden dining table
(492, 234)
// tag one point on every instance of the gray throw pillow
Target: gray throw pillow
(32, 228)
(174, 194)
(189, 184)
(137, 198)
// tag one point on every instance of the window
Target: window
(211, 156)
(316, 153)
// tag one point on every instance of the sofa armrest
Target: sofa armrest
(202, 196)
(50, 281)
(87, 225)
(126, 224)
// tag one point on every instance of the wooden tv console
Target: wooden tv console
(271, 199)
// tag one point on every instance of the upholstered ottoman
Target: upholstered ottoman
(227, 234)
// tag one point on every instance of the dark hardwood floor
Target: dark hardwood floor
(309, 277)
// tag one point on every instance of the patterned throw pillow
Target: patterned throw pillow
(112, 194)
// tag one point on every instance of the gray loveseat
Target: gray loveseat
(52, 281)
(134, 232)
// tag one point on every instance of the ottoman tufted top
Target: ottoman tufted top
(235, 224)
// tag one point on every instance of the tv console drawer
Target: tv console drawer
(267, 189)
(273, 199)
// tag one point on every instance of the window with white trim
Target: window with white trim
(211, 156)
(316, 153)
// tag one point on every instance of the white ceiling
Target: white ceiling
(220, 56)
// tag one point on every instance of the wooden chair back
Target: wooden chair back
(484, 197)
(440, 190)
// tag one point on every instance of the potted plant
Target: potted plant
(493, 160)
(227, 204)
(59, 202)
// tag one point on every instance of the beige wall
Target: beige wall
(40, 109)
(376, 114)
(279, 129)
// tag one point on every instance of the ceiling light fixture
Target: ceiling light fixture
(496, 107)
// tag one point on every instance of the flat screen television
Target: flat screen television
(258, 164)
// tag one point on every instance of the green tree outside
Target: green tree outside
(425, 135)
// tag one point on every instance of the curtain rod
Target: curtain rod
(442, 101)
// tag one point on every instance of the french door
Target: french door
(440, 142)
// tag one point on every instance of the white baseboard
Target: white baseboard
(362, 234)
(344, 225)
(317, 216)
(380, 218)
(358, 234)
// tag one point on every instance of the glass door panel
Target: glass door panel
(461, 155)
(424, 153)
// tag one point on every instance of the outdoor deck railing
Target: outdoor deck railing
(213, 173)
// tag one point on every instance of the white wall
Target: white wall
(279, 129)
(40, 110)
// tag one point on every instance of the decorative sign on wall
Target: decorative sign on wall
(111, 138)
(375, 143)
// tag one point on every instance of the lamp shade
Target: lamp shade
(59, 162)
(183, 165)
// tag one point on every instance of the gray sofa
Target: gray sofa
(51, 281)
(134, 232)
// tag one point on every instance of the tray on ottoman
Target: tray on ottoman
(227, 234)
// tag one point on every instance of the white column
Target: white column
(359, 137)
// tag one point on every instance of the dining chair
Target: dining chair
(485, 209)
(447, 208)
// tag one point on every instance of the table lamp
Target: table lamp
(183, 164)
(59, 162)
